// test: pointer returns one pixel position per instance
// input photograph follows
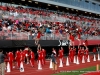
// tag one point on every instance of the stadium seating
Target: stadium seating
(17, 22)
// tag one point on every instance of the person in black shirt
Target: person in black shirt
(2, 64)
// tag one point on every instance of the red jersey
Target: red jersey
(38, 34)
(32, 55)
(70, 36)
(86, 52)
(26, 51)
(10, 56)
(60, 53)
(39, 54)
(17, 55)
(79, 51)
(86, 42)
(70, 52)
(94, 50)
(22, 54)
(79, 36)
(44, 53)
(82, 52)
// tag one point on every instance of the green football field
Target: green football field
(77, 72)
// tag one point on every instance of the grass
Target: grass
(77, 72)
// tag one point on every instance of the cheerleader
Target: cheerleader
(38, 37)
(85, 43)
(79, 38)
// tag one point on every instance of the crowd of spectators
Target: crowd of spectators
(18, 23)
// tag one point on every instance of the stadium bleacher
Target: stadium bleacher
(19, 23)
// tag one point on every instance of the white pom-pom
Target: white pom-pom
(77, 29)
(83, 43)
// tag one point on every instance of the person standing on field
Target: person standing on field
(2, 63)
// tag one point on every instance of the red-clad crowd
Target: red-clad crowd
(19, 20)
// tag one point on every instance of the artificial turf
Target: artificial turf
(77, 72)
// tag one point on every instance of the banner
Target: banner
(31, 43)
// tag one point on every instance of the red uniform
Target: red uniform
(43, 56)
(82, 53)
(18, 58)
(40, 56)
(32, 56)
(60, 54)
(94, 50)
(86, 43)
(72, 38)
(79, 36)
(39, 35)
(70, 55)
(86, 53)
(11, 59)
(26, 52)
(22, 55)
(74, 50)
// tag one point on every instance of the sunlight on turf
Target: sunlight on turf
(77, 72)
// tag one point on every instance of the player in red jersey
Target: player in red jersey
(11, 59)
(32, 57)
(86, 53)
(17, 58)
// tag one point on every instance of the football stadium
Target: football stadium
(50, 37)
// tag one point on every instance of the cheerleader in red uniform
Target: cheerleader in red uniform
(39, 53)
(11, 59)
(22, 55)
(32, 57)
(17, 58)
(43, 55)
(62, 50)
(60, 54)
(38, 37)
(85, 43)
(71, 37)
(94, 50)
(70, 54)
(86, 53)
(74, 50)
(79, 53)
(79, 38)
(82, 52)
(26, 51)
